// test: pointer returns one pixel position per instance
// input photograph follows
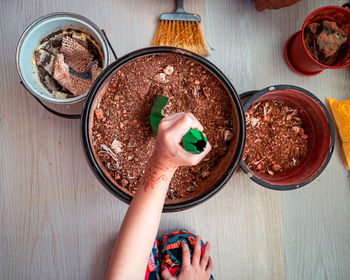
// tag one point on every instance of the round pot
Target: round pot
(27, 70)
(296, 54)
(318, 125)
(219, 176)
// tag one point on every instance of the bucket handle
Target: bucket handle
(67, 116)
(109, 44)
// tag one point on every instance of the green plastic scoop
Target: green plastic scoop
(194, 140)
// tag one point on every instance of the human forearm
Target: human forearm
(138, 231)
(140, 225)
(261, 5)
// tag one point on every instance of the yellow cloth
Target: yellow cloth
(341, 115)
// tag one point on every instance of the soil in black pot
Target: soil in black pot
(121, 131)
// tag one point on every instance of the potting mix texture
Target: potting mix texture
(276, 140)
(121, 133)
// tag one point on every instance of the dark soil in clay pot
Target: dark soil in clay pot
(121, 133)
(325, 40)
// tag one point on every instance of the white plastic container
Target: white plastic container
(27, 70)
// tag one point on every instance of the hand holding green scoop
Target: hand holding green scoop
(193, 141)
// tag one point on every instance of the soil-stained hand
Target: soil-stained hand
(261, 5)
(168, 151)
(199, 268)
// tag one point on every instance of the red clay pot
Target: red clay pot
(296, 54)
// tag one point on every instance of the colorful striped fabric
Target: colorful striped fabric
(167, 252)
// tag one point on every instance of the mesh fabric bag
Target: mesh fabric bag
(74, 67)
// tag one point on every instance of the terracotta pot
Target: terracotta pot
(318, 125)
(296, 54)
(220, 174)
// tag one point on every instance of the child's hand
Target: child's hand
(261, 5)
(168, 151)
(199, 269)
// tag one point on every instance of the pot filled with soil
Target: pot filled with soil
(289, 137)
(117, 134)
(322, 43)
(58, 58)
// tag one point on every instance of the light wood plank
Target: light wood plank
(58, 222)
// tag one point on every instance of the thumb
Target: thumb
(166, 275)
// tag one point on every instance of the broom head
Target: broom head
(181, 32)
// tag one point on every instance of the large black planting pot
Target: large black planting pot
(218, 177)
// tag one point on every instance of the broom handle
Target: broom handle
(180, 6)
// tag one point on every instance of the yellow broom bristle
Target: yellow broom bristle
(181, 34)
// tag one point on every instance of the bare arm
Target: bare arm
(139, 228)
(261, 5)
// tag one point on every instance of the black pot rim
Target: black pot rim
(254, 95)
(85, 126)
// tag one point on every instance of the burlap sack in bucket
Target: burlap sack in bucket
(74, 67)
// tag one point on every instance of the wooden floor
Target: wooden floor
(58, 222)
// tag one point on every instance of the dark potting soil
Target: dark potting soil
(275, 139)
(49, 47)
(324, 41)
(122, 135)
